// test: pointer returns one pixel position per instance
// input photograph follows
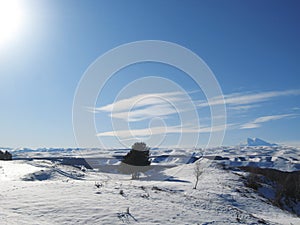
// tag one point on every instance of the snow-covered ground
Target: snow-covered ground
(284, 158)
(45, 191)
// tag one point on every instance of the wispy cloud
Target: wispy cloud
(160, 130)
(258, 121)
(146, 106)
(245, 100)
(141, 101)
(158, 110)
(243, 107)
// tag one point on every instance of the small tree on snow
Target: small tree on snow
(197, 173)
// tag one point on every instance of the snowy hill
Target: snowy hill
(283, 158)
(54, 187)
(221, 198)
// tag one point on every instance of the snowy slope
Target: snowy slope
(13, 170)
(42, 187)
(47, 192)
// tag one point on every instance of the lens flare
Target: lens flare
(11, 19)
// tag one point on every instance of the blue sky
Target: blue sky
(252, 47)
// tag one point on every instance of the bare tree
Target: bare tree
(197, 172)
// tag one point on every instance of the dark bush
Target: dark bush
(5, 156)
(136, 161)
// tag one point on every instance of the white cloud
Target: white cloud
(159, 110)
(250, 125)
(141, 100)
(160, 130)
(258, 121)
(163, 105)
(248, 98)
(146, 106)
(244, 107)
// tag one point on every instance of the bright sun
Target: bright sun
(11, 18)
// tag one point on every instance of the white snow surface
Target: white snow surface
(40, 191)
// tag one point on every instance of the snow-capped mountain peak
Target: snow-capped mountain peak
(258, 142)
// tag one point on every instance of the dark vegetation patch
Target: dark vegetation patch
(281, 188)
(5, 155)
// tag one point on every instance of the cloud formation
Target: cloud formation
(258, 121)
(163, 105)
(159, 130)
(147, 106)
(246, 100)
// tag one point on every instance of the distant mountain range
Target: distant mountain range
(258, 142)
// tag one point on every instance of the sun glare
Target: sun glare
(11, 18)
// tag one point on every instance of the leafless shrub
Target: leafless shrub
(197, 173)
